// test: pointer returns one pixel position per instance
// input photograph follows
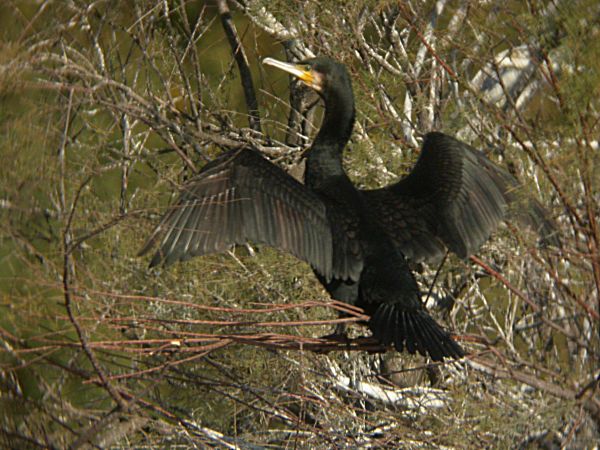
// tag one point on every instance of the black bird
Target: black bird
(357, 241)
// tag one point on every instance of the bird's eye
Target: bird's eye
(307, 68)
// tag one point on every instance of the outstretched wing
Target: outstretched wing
(240, 197)
(454, 198)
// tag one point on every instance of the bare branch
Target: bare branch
(240, 57)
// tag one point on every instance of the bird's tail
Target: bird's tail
(413, 329)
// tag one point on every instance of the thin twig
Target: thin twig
(68, 268)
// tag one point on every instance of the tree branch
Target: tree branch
(242, 63)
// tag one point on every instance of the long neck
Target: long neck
(324, 159)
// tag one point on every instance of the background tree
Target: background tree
(107, 108)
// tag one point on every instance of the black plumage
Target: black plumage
(355, 240)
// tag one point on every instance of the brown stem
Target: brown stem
(534, 306)
(242, 62)
(68, 263)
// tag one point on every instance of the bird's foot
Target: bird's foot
(339, 334)
(337, 337)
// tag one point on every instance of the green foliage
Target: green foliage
(219, 343)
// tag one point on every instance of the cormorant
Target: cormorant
(357, 241)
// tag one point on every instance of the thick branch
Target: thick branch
(242, 62)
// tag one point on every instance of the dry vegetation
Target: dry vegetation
(107, 107)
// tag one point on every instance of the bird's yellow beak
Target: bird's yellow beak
(304, 74)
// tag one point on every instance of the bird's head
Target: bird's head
(322, 74)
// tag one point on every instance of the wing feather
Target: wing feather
(242, 197)
(454, 198)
